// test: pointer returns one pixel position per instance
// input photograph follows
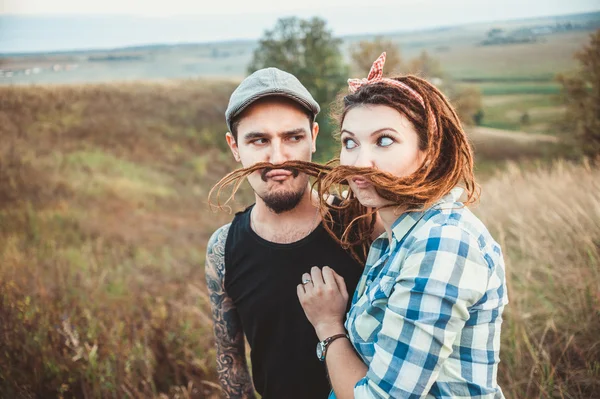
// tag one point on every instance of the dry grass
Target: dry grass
(548, 224)
(103, 226)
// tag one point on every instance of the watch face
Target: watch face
(320, 350)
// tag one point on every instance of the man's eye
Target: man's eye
(296, 138)
(385, 141)
(259, 141)
(349, 144)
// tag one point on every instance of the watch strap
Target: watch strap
(329, 340)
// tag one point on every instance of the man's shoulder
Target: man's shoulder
(215, 250)
(218, 237)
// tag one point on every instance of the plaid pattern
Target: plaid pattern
(427, 311)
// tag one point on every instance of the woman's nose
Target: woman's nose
(364, 159)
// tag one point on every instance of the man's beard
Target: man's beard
(280, 202)
(283, 201)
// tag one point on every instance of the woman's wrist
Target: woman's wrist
(325, 331)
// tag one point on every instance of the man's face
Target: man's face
(275, 130)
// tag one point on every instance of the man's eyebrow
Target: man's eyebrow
(254, 135)
(300, 130)
(260, 135)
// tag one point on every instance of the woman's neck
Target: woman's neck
(388, 217)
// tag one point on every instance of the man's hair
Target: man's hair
(238, 118)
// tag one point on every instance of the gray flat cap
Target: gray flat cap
(268, 82)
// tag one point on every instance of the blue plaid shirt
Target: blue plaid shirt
(427, 311)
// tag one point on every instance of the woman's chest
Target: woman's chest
(371, 302)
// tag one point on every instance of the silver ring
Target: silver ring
(306, 281)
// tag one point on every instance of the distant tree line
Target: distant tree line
(530, 34)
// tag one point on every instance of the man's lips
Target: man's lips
(278, 174)
(361, 182)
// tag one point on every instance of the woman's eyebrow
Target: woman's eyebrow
(373, 133)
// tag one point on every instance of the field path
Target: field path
(522, 137)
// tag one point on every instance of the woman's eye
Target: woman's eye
(349, 144)
(385, 141)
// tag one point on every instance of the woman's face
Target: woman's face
(380, 137)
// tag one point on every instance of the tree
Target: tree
(367, 51)
(426, 67)
(466, 102)
(581, 94)
(478, 117)
(308, 50)
(495, 33)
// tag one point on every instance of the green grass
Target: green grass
(97, 172)
(539, 113)
(496, 89)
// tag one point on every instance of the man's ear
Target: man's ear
(233, 146)
(315, 133)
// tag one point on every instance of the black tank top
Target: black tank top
(261, 278)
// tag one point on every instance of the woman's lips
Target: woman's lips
(361, 182)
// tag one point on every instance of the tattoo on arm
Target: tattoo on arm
(232, 368)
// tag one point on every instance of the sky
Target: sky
(435, 8)
(43, 25)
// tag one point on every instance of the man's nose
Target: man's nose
(278, 154)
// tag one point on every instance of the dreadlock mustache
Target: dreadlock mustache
(357, 221)
(230, 184)
(327, 177)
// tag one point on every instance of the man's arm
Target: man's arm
(231, 357)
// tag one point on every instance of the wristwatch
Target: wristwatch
(322, 346)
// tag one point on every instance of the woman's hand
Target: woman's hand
(324, 297)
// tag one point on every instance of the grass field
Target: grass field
(547, 221)
(104, 222)
(536, 113)
(514, 62)
(103, 225)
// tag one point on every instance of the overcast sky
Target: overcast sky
(436, 9)
(171, 21)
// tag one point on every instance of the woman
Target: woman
(426, 315)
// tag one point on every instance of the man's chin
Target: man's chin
(280, 201)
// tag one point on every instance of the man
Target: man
(254, 264)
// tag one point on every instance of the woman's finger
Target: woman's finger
(307, 282)
(317, 277)
(301, 292)
(341, 285)
(329, 278)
